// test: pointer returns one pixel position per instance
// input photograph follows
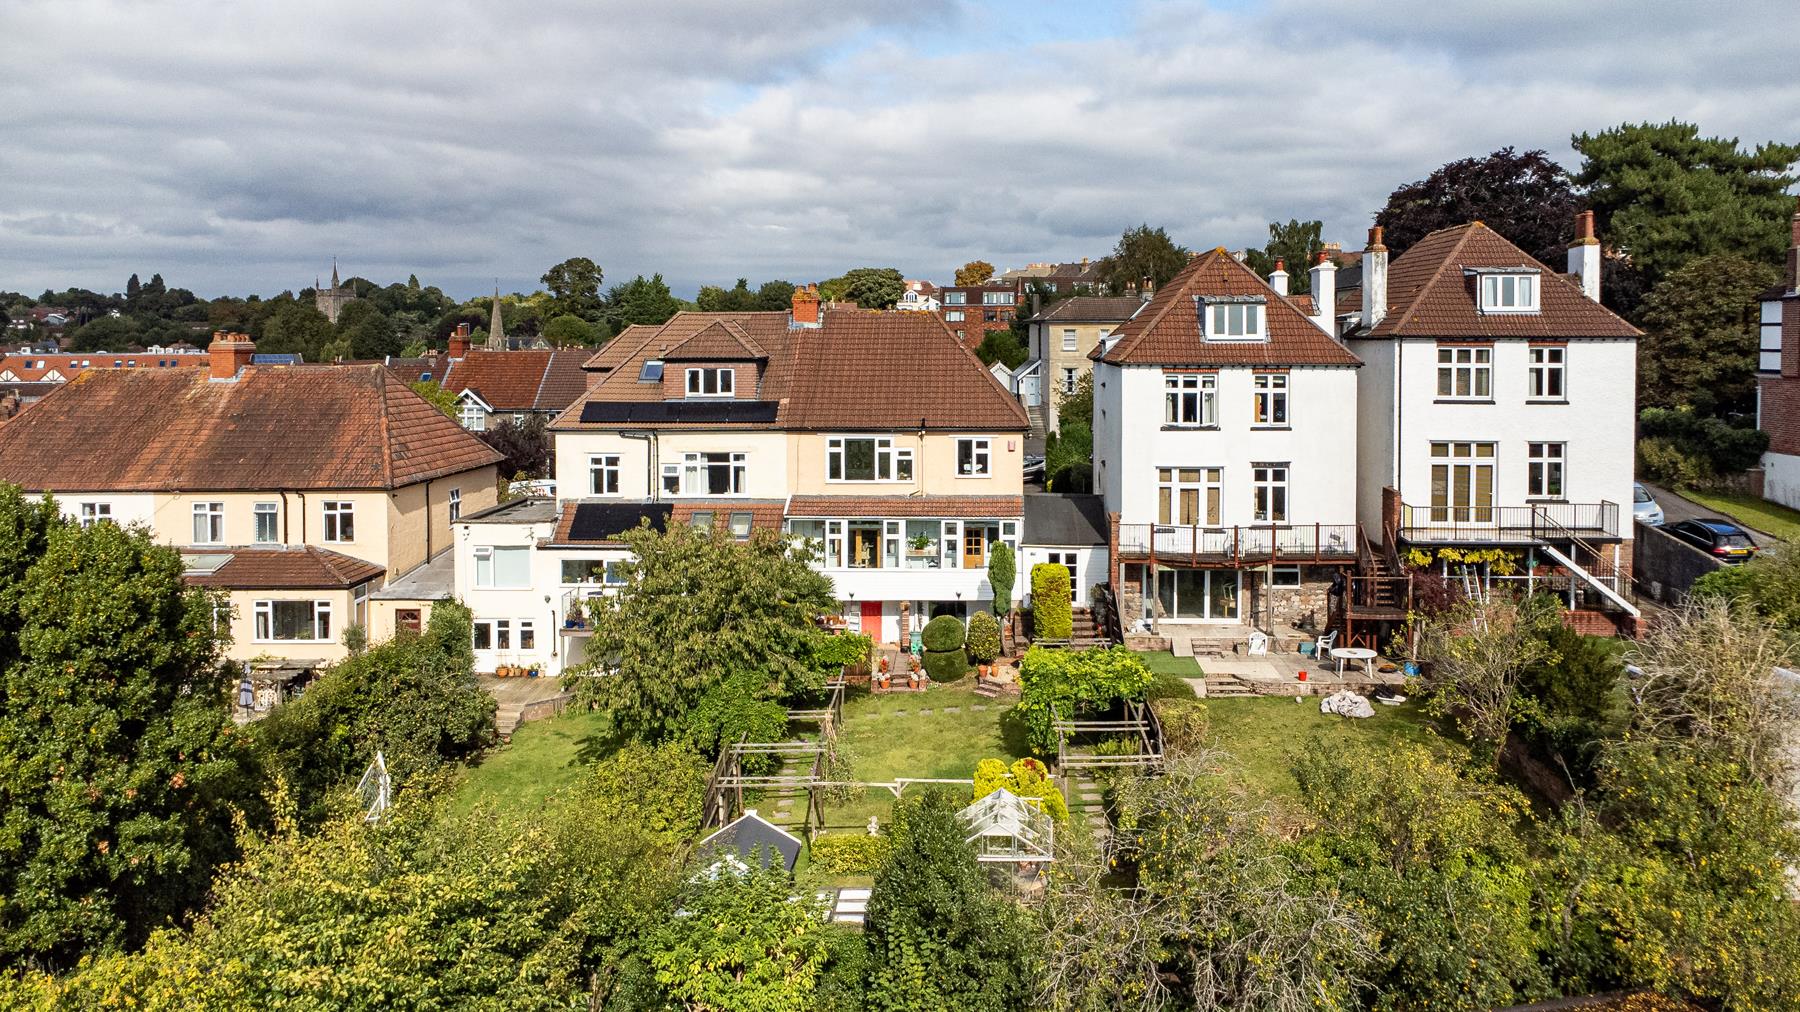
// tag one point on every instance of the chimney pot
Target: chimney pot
(1375, 237)
(228, 354)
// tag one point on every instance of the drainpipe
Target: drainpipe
(284, 519)
(302, 496)
(650, 454)
(919, 475)
(428, 482)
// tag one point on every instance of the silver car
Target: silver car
(1643, 508)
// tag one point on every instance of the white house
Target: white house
(1498, 405)
(1225, 444)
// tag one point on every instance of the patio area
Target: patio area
(523, 699)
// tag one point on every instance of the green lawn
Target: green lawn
(1761, 514)
(1161, 662)
(1265, 733)
(938, 744)
(543, 757)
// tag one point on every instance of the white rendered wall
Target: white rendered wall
(512, 603)
(1781, 479)
(1090, 568)
(127, 508)
(766, 474)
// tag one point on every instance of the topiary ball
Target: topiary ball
(946, 665)
(944, 633)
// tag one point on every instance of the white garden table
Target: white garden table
(1363, 654)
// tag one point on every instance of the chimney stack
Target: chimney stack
(1148, 289)
(806, 306)
(228, 354)
(1584, 255)
(1374, 279)
(459, 341)
(1793, 278)
(1278, 278)
(1324, 292)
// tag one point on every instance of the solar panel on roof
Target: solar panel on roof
(601, 521)
(679, 411)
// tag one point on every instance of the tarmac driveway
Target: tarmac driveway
(1677, 507)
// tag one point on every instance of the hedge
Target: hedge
(1183, 722)
(1055, 684)
(849, 853)
(943, 633)
(1051, 608)
(845, 649)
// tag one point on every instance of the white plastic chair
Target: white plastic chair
(1322, 649)
(1259, 643)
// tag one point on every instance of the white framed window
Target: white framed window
(340, 520)
(493, 634)
(527, 634)
(455, 505)
(609, 572)
(1269, 490)
(1271, 398)
(1189, 495)
(209, 523)
(474, 418)
(1509, 293)
(293, 621)
(1069, 378)
(1069, 342)
(1191, 399)
(996, 298)
(603, 474)
(1768, 358)
(1234, 321)
(709, 381)
(359, 605)
(1067, 560)
(94, 512)
(1544, 470)
(502, 567)
(973, 458)
(705, 474)
(956, 298)
(268, 522)
(867, 458)
(1462, 483)
(1546, 377)
(953, 316)
(1284, 576)
(1465, 374)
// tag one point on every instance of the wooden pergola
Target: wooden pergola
(1075, 740)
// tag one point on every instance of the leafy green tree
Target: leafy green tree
(742, 941)
(696, 608)
(1700, 343)
(296, 327)
(1142, 252)
(938, 938)
(413, 698)
(1297, 245)
(441, 399)
(1424, 848)
(775, 296)
(738, 299)
(121, 766)
(640, 300)
(1526, 197)
(975, 272)
(1003, 571)
(571, 331)
(574, 288)
(1667, 194)
(368, 331)
(869, 287)
(1477, 653)
(1069, 458)
(1002, 346)
(106, 333)
(526, 445)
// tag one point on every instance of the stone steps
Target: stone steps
(1226, 687)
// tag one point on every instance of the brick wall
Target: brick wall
(1781, 394)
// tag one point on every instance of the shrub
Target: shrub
(1027, 779)
(946, 666)
(845, 649)
(1169, 686)
(1183, 723)
(1665, 463)
(943, 633)
(984, 638)
(849, 853)
(1686, 445)
(1002, 570)
(1050, 601)
(1056, 683)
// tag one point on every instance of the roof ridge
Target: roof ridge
(1192, 267)
(1398, 314)
(387, 438)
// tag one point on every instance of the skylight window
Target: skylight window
(651, 372)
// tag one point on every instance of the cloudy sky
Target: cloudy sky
(238, 145)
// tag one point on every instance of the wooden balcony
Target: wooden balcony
(1220, 547)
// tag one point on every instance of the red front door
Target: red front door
(871, 620)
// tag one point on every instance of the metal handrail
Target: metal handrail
(1295, 542)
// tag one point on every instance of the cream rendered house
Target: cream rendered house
(298, 491)
(1062, 336)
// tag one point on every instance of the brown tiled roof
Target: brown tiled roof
(520, 380)
(859, 369)
(1304, 303)
(31, 366)
(972, 506)
(296, 427)
(720, 341)
(1429, 294)
(1092, 309)
(622, 344)
(1167, 332)
(284, 568)
(765, 514)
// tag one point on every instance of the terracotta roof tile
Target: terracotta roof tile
(296, 427)
(520, 380)
(1167, 332)
(1092, 309)
(719, 341)
(283, 568)
(1430, 295)
(971, 506)
(765, 514)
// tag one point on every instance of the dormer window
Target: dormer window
(1232, 318)
(651, 372)
(711, 382)
(1509, 292)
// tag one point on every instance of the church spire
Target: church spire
(334, 277)
(496, 332)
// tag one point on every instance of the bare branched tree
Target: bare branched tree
(1709, 677)
(1102, 943)
(1477, 652)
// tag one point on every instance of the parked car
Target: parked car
(1034, 467)
(1644, 509)
(1722, 539)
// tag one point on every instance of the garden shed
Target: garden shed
(1005, 828)
(751, 837)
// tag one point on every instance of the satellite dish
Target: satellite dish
(375, 789)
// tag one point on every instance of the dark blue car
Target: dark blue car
(1721, 539)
